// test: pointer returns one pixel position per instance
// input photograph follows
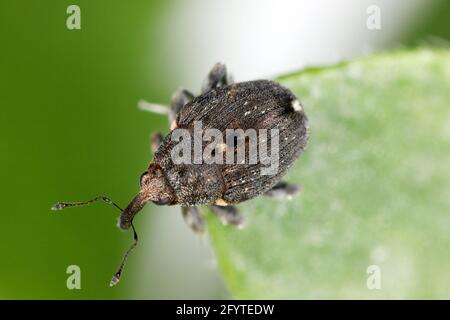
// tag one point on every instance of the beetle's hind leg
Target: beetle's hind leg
(217, 77)
(283, 190)
(228, 215)
(193, 219)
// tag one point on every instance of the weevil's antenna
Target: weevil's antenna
(116, 278)
(62, 205)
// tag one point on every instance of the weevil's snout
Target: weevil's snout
(130, 211)
(133, 208)
(155, 188)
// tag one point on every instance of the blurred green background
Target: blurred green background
(70, 130)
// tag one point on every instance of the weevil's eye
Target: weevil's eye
(143, 178)
(162, 202)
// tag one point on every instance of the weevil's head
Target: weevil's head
(155, 188)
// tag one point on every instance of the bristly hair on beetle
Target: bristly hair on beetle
(249, 110)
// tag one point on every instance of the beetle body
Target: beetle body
(248, 105)
(257, 105)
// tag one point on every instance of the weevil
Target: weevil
(222, 105)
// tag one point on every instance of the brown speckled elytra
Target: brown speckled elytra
(222, 105)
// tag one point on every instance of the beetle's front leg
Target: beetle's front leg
(217, 77)
(193, 219)
(179, 100)
(283, 190)
(156, 141)
(228, 215)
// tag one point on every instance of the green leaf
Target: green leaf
(376, 189)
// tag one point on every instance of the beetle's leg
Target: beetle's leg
(153, 107)
(156, 141)
(179, 100)
(228, 215)
(193, 219)
(283, 189)
(217, 77)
